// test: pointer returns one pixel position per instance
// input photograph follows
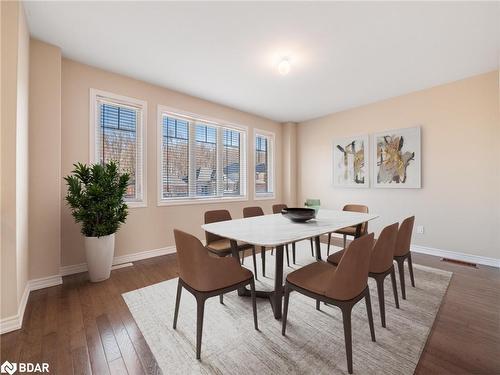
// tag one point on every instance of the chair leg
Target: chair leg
(243, 257)
(317, 305)
(381, 299)
(401, 269)
(410, 267)
(328, 247)
(312, 247)
(272, 251)
(221, 299)
(254, 263)
(200, 301)
(263, 257)
(287, 256)
(177, 303)
(254, 304)
(285, 310)
(346, 317)
(394, 287)
(368, 303)
(293, 253)
(345, 241)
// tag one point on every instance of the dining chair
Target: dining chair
(315, 204)
(257, 211)
(343, 286)
(402, 252)
(350, 231)
(205, 276)
(277, 208)
(381, 264)
(221, 246)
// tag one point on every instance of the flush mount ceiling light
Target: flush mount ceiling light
(284, 66)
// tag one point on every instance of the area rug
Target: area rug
(314, 343)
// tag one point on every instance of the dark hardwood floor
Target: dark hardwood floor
(83, 328)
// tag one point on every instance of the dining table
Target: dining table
(276, 231)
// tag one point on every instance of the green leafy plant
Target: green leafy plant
(96, 197)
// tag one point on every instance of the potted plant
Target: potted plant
(96, 198)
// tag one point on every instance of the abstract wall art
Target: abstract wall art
(396, 158)
(350, 162)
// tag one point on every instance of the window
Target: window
(117, 134)
(199, 159)
(264, 168)
(231, 165)
(175, 156)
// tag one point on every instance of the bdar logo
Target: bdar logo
(8, 368)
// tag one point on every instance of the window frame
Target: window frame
(271, 136)
(220, 124)
(96, 94)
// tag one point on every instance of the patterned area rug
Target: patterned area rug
(315, 339)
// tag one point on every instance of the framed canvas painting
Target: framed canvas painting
(350, 162)
(397, 158)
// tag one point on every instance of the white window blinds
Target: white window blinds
(118, 136)
(200, 159)
(264, 171)
(175, 158)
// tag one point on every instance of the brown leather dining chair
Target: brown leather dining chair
(205, 276)
(381, 264)
(402, 252)
(277, 208)
(257, 211)
(221, 246)
(342, 286)
(350, 231)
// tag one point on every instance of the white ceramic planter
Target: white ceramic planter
(99, 252)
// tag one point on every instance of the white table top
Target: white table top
(274, 230)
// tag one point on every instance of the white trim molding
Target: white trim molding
(119, 260)
(485, 261)
(15, 322)
(45, 282)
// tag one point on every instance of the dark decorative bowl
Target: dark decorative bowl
(299, 215)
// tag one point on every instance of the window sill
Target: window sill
(264, 197)
(186, 202)
(141, 204)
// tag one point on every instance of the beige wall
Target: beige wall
(45, 160)
(289, 158)
(151, 227)
(14, 157)
(459, 200)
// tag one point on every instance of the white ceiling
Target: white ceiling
(343, 54)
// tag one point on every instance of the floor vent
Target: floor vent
(460, 262)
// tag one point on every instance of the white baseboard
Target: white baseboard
(493, 262)
(45, 282)
(121, 259)
(15, 322)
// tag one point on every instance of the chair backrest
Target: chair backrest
(383, 250)
(252, 211)
(278, 207)
(214, 217)
(358, 208)
(350, 277)
(192, 257)
(404, 236)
